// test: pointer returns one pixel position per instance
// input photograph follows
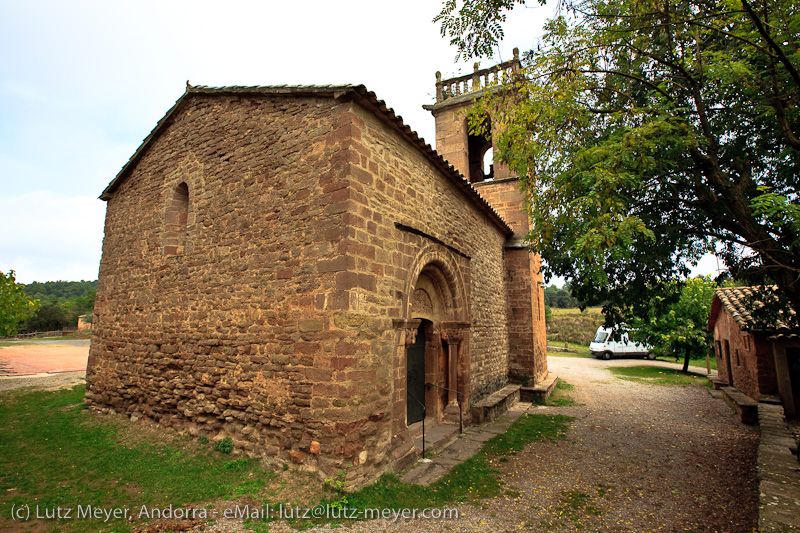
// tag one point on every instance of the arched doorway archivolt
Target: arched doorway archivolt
(436, 355)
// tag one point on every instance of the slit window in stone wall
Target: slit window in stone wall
(177, 216)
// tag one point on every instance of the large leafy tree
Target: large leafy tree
(14, 305)
(677, 326)
(649, 132)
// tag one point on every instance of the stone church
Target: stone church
(295, 268)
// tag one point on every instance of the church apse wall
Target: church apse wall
(228, 329)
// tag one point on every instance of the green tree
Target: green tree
(649, 132)
(677, 326)
(14, 305)
(49, 317)
(559, 298)
(62, 302)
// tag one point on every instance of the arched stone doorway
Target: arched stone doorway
(432, 361)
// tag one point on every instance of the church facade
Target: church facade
(295, 268)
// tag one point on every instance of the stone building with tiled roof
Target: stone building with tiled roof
(760, 357)
(295, 268)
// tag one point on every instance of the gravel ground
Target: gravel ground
(638, 458)
(58, 380)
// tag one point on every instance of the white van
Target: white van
(605, 347)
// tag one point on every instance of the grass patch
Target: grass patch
(575, 506)
(560, 396)
(654, 375)
(580, 350)
(53, 452)
(694, 361)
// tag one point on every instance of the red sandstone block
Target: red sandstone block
(339, 363)
(348, 118)
(351, 280)
(350, 247)
(318, 374)
(356, 375)
(351, 219)
(338, 208)
(361, 175)
(307, 348)
(338, 264)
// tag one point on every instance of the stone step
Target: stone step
(745, 406)
(495, 404)
(461, 447)
(539, 391)
(436, 436)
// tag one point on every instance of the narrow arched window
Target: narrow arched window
(478, 145)
(175, 224)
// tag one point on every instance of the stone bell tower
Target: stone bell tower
(454, 97)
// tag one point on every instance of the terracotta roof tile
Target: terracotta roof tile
(741, 302)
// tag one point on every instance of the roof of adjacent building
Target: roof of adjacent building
(356, 93)
(741, 303)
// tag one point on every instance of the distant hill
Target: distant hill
(58, 291)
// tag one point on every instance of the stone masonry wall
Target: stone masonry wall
(406, 189)
(245, 332)
(528, 342)
(452, 132)
(393, 184)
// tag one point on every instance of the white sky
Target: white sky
(82, 83)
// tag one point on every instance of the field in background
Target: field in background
(574, 326)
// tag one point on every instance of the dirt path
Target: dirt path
(638, 458)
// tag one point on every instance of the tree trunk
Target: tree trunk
(685, 368)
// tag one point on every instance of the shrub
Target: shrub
(224, 445)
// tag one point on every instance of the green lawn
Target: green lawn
(560, 395)
(54, 453)
(580, 350)
(654, 375)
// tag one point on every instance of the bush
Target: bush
(224, 445)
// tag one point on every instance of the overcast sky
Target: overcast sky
(82, 83)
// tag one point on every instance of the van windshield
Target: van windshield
(601, 336)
